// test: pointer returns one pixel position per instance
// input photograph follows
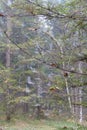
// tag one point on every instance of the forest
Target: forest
(43, 64)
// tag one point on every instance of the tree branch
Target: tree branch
(44, 62)
(55, 14)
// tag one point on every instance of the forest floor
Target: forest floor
(32, 124)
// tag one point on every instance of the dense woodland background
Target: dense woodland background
(43, 59)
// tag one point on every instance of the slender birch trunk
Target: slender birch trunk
(66, 83)
(68, 93)
(63, 64)
(80, 96)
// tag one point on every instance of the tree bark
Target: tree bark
(8, 64)
(80, 96)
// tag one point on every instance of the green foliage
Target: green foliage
(29, 51)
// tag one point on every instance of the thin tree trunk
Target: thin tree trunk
(63, 64)
(8, 60)
(8, 63)
(80, 96)
(66, 83)
(81, 109)
(68, 93)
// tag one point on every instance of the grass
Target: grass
(26, 123)
(30, 125)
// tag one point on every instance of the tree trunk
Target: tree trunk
(8, 63)
(80, 95)
(68, 93)
(66, 83)
(8, 43)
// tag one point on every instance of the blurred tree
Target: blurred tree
(51, 39)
